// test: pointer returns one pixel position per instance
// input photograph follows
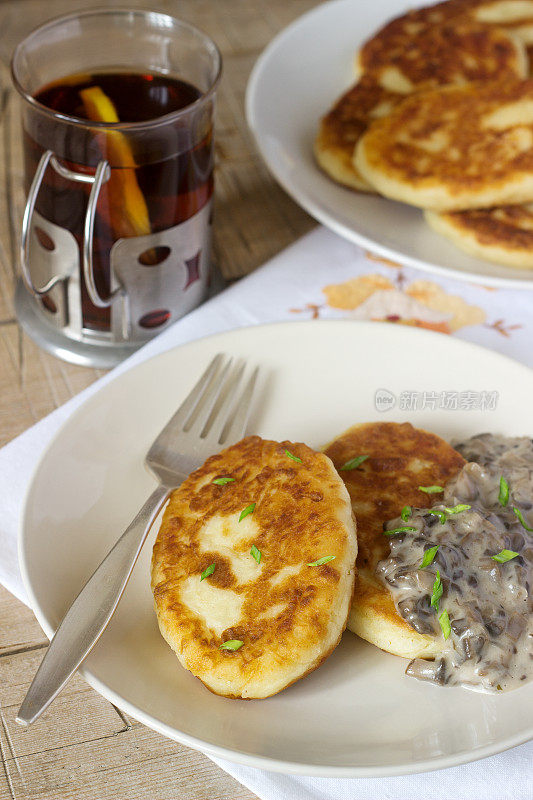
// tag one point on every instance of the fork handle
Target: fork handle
(89, 614)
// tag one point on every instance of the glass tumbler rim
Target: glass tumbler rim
(104, 11)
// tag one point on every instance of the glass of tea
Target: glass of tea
(117, 117)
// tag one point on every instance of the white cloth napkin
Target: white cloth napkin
(326, 276)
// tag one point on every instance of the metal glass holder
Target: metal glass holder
(146, 294)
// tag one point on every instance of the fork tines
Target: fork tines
(221, 410)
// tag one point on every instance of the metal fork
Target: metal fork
(213, 415)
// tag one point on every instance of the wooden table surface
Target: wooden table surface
(83, 747)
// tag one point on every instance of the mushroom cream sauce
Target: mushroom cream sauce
(480, 607)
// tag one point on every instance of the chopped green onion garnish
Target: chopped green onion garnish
(457, 509)
(503, 497)
(231, 644)
(431, 489)
(429, 555)
(406, 513)
(520, 516)
(442, 513)
(248, 510)
(435, 512)
(504, 555)
(403, 529)
(353, 463)
(445, 624)
(294, 458)
(207, 571)
(223, 481)
(256, 553)
(320, 561)
(436, 593)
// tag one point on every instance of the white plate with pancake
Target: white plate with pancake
(357, 714)
(294, 83)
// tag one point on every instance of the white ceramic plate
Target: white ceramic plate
(358, 714)
(293, 84)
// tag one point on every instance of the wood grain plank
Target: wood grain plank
(19, 630)
(81, 746)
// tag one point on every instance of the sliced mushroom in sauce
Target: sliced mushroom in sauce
(489, 602)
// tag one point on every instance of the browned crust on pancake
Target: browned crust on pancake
(302, 513)
(342, 127)
(379, 489)
(510, 227)
(503, 235)
(530, 59)
(430, 54)
(315, 665)
(399, 30)
(349, 117)
(519, 26)
(476, 156)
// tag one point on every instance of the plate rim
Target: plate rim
(325, 217)
(216, 751)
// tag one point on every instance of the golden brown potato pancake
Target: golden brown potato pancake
(414, 53)
(454, 148)
(503, 235)
(261, 589)
(342, 127)
(400, 459)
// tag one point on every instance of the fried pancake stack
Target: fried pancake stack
(254, 570)
(442, 118)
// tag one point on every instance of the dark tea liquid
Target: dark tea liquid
(160, 176)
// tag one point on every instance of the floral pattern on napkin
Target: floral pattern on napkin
(403, 300)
